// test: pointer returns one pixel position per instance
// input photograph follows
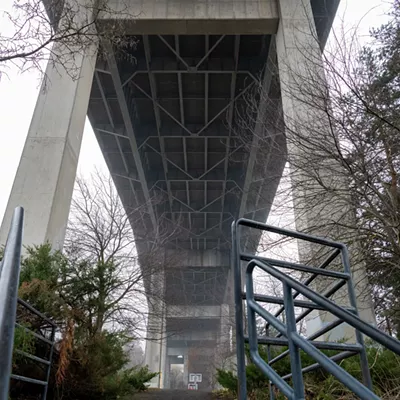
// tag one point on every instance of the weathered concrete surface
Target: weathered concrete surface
(46, 174)
(300, 66)
(195, 16)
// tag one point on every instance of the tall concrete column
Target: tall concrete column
(46, 173)
(156, 344)
(300, 70)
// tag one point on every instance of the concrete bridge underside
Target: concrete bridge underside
(167, 113)
(167, 118)
(175, 110)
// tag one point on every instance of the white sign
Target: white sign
(192, 386)
(195, 377)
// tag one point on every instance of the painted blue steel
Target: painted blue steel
(9, 282)
(296, 266)
(9, 279)
(240, 345)
(297, 303)
(36, 312)
(343, 376)
(309, 280)
(32, 357)
(314, 336)
(29, 380)
(45, 389)
(328, 293)
(269, 356)
(288, 233)
(273, 341)
(252, 309)
(348, 315)
(295, 361)
(366, 374)
(30, 332)
(336, 358)
(360, 390)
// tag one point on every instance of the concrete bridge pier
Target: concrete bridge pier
(46, 173)
(194, 328)
(301, 74)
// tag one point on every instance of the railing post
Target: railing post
(365, 372)
(295, 360)
(48, 372)
(269, 358)
(240, 348)
(9, 280)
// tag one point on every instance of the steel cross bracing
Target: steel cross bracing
(166, 126)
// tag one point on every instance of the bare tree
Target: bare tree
(341, 142)
(37, 31)
(103, 258)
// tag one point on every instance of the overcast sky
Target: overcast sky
(18, 93)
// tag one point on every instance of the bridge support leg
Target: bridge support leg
(46, 173)
(156, 344)
(300, 65)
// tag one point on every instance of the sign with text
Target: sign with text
(192, 386)
(195, 378)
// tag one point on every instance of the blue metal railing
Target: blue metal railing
(9, 282)
(287, 333)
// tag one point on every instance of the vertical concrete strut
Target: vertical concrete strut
(46, 173)
(301, 71)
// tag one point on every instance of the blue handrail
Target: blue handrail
(287, 333)
(9, 279)
(9, 283)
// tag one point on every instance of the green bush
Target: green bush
(320, 385)
(23, 341)
(127, 382)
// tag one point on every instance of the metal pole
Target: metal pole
(269, 357)
(46, 387)
(366, 374)
(9, 280)
(240, 350)
(294, 353)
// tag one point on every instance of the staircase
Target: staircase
(174, 395)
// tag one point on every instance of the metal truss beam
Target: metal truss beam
(209, 51)
(206, 83)
(219, 162)
(230, 119)
(183, 71)
(181, 105)
(111, 120)
(172, 163)
(259, 127)
(175, 198)
(157, 117)
(112, 63)
(174, 52)
(163, 109)
(225, 108)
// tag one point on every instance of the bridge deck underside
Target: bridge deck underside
(165, 110)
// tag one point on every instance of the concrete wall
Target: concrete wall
(195, 16)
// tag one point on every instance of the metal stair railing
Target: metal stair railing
(287, 333)
(9, 283)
